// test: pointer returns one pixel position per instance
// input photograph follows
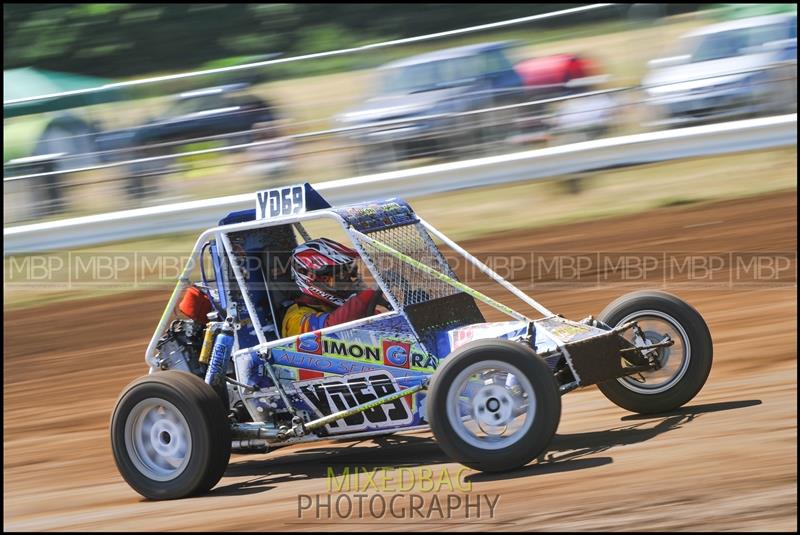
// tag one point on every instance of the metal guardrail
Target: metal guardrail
(527, 165)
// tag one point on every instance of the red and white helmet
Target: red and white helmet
(327, 270)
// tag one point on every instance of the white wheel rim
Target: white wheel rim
(491, 405)
(158, 439)
(674, 359)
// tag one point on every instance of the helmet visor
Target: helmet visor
(342, 280)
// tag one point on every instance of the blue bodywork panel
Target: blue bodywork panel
(329, 372)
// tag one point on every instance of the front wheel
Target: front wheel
(170, 435)
(493, 405)
(685, 365)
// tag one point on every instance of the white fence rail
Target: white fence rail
(704, 140)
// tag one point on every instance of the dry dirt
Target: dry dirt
(726, 461)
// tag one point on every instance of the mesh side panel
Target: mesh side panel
(408, 284)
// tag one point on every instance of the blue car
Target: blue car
(421, 104)
(227, 113)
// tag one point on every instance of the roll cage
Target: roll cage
(426, 298)
(362, 222)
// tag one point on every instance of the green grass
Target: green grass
(485, 211)
(20, 135)
(309, 103)
(611, 193)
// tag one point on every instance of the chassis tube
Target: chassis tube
(183, 282)
(487, 270)
(441, 276)
(237, 273)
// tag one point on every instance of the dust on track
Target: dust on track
(725, 462)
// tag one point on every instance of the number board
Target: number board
(283, 201)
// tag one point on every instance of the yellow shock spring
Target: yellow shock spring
(208, 342)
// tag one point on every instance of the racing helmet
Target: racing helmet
(327, 270)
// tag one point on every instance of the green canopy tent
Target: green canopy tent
(22, 136)
(30, 82)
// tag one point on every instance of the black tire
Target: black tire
(700, 352)
(532, 442)
(208, 427)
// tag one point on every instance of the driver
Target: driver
(332, 290)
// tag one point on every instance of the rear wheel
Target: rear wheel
(685, 365)
(493, 405)
(170, 435)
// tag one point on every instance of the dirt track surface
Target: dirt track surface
(726, 461)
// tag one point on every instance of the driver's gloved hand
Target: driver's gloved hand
(383, 302)
(352, 309)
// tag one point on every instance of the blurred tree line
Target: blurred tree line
(125, 40)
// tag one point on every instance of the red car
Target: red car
(562, 75)
(553, 72)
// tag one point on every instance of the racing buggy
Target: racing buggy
(223, 379)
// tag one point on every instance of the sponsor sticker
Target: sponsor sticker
(393, 353)
(334, 394)
(460, 337)
(396, 353)
(309, 343)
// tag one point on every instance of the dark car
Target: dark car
(222, 113)
(215, 111)
(421, 103)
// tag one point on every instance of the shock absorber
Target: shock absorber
(220, 354)
(208, 341)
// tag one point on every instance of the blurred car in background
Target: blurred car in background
(223, 115)
(550, 76)
(736, 68)
(590, 113)
(418, 108)
(215, 111)
(431, 104)
(579, 109)
(219, 116)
